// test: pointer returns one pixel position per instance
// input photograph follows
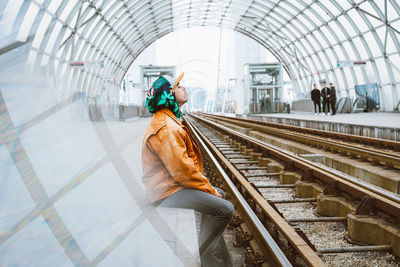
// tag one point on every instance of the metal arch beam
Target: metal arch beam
(372, 60)
(385, 58)
(262, 16)
(293, 42)
(321, 49)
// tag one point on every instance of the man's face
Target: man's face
(180, 94)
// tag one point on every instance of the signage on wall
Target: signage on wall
(86, 64)
(348, 63)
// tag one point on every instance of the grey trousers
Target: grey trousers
(216, 213)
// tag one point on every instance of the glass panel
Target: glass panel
(349, 50)
(321, 40)
(45, 60)
(332, 8)
(339, 52)
(304, 19)
(360, 48)
(321, 13)
(371, 78)
(54, 4)
(369, 38)
(32, 57)
(383, 74)
(287, 33)
(67, 9)
(390, 46)
(92, 25)
(299, 4)
(367, 7)
(113, 11)
(41, 30)
(337, 30)
(331, 57)
(278, 18)
(309, 50)
(349, 77)
(358, 20)
(27, 23)
(391, 11)
(360, 77)
(107, 6)
(347, 26)
(53, 37)
(312, 17)
(310, 64)
(344, 4)
(396, 71)
(324, 62)
(340, 79)
(317, 62)
(328, 35)
(286, 6)
(8, 17)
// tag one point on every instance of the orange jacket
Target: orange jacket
(171, 158)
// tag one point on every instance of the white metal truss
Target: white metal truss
(308, 36)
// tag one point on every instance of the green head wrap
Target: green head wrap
(161, 95)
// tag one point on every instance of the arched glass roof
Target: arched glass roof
(310, 37)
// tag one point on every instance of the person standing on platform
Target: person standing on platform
(325, 93)
(173, 168)
(316, 98)
(332, 98)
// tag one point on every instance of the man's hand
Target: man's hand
(217, 194)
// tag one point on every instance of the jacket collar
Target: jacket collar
(171, 115)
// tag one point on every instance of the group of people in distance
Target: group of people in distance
(328, 95)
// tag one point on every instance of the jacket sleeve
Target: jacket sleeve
(181, 167)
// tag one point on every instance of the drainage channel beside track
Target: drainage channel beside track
(301, 206)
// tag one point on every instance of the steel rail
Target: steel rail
(394, 145)
(279, 257)
(384, 201)
(364, 153)
(304, 250)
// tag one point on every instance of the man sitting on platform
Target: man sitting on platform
(173, 168)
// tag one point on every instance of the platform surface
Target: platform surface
(71, 195)
(374, 119)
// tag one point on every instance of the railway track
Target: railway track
(378, 151)
(240, 171)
